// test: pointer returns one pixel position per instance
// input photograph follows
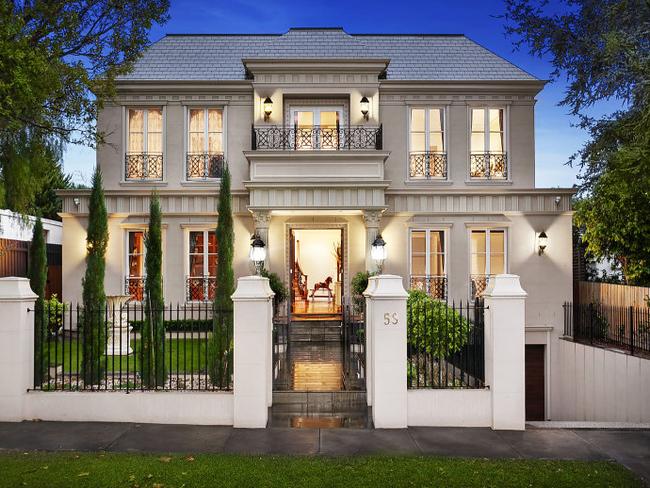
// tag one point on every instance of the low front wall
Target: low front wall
(155, 407)
(449, 408)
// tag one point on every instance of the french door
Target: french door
(317, 127)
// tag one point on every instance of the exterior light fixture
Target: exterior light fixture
(558, 199)
(76, 201)
(268, 108)
(542, 242)
(378, 252)
(365, 107)
(257, 253)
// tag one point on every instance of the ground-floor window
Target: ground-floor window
(134, 281)
(487, 258)
(428, 262)
(202, 265)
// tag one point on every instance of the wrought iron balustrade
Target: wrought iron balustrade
(203, 166)
(434, 286)
(200, 288)
(143, 166)
(428, 165)
(488, 165)
(134, 287)
(478, 284)
(316, 138)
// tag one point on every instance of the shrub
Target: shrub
(37, 280)
(179, 325)
(56, 312)
(277, 286)
(358, 285)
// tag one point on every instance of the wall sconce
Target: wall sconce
(558, 199)
(542, 242)
(257, 253)
(268, 108)
(365, 107)
(378, 252)
(76, 201)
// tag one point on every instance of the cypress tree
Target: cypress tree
(153, 329)
(93, 327)
(220, 346)
(37, 280)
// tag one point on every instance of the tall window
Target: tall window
(487, 257)
(428, 262)
(487, 145)
(205, 143)
(201, 282)
(144, 156)
(134, 285)
(427, 143)
(317, 128)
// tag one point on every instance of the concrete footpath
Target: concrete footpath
(630, 448)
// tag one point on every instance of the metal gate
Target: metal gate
(353, 338)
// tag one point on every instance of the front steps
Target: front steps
(320, 409)
(315, 331)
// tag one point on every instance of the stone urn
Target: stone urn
(117, 342)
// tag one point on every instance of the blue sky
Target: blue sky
(556, 139)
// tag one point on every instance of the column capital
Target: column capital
(262, 218)
(372, 218)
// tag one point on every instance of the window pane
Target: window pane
(417, 120)
(215, 120)
(196, 242)
(437, 264)
(197, 142)
(418, 241)
(478, 142)
(196, 265)
(418, 265)
(478, 241)
(215, 144)
(136, 253)
(496, 142)
(136, 142)
(212, 242)
(329, 119)
(435, 119)
(154, 142)
(212, 265)
(496, 119)
(154, 120)
(477, 266)
(478, 120)
(497, 241)
(417, 142)
(437, 256)
(304, 119)
(197, 119)
(497, 264)
(436, 143)
(136, 120)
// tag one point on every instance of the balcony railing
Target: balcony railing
(434, 286)
(143, 166)
(200, 288)
(428, 165)
(488, 166)
(316, 138)
(134, 287)
(204, 166)
(478, 284)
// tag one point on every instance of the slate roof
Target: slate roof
(412, 56)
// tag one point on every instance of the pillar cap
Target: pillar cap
(253, 288)
(16, 288)
(372, 284)
(386, 286)
(504, 286)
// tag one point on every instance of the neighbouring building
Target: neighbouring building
(333, 138)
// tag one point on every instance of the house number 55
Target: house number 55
(391, 318)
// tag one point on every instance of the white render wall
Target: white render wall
(597, 384)
(449, 408)
(14, 226)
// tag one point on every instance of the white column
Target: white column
(262, 220)
(387, 326)
(16, 346)
(372, 284)
(252, 385)
(505, 331)
(372, 219)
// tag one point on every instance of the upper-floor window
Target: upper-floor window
(134, 281)
(488, 157)
(428, 264)
(205, 143)
(487, 257)
(202, 265)
(427, 153)
(318, 127)
(144, 156)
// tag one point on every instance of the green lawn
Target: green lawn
(52, 470)
(181, 355)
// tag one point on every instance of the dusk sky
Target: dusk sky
(555, 138)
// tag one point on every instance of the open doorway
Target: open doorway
(316, 269)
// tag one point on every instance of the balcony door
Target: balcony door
(317, 127)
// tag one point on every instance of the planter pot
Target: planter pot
(119, 330)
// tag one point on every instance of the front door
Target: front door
(535, 382)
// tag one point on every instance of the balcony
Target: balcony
(204, 166)
(134, 287)
(477, 285)
(200, 288)
(434, 286)
(143, 166)
(316, 138)
(488, 166)
(428, 165)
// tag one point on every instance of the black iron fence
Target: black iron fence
(143, 166)
(614, 327)
(203, 166)
(182, 347)
(488, 165)
(316, 138)
(445, 343)
(354, 344)
(428, 165)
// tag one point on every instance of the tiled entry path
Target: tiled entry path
(309, 389)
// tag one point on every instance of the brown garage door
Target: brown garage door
(534, 382)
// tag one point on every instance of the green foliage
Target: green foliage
(93, 326)
(38, 280)
(47, 203)
(220, 345)
(434, 327)
(56, 314)
(180, 325)
(358, 285)
(277, 286)
(153, 329)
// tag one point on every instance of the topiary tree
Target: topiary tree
(37, 280)
(152, 366)
(220, 346)
(93, 323)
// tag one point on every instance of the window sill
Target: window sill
(206, 182)
(487, 182)
(143, 183)
(428, 182)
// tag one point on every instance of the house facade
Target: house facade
(331, 138)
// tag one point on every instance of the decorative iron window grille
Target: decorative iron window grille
(316, 138)
(434, 286)
(143, 166)
(134, 287)
(489, 165)
(200, 288)
(428, 165)
(478, 284)
(203, 166)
